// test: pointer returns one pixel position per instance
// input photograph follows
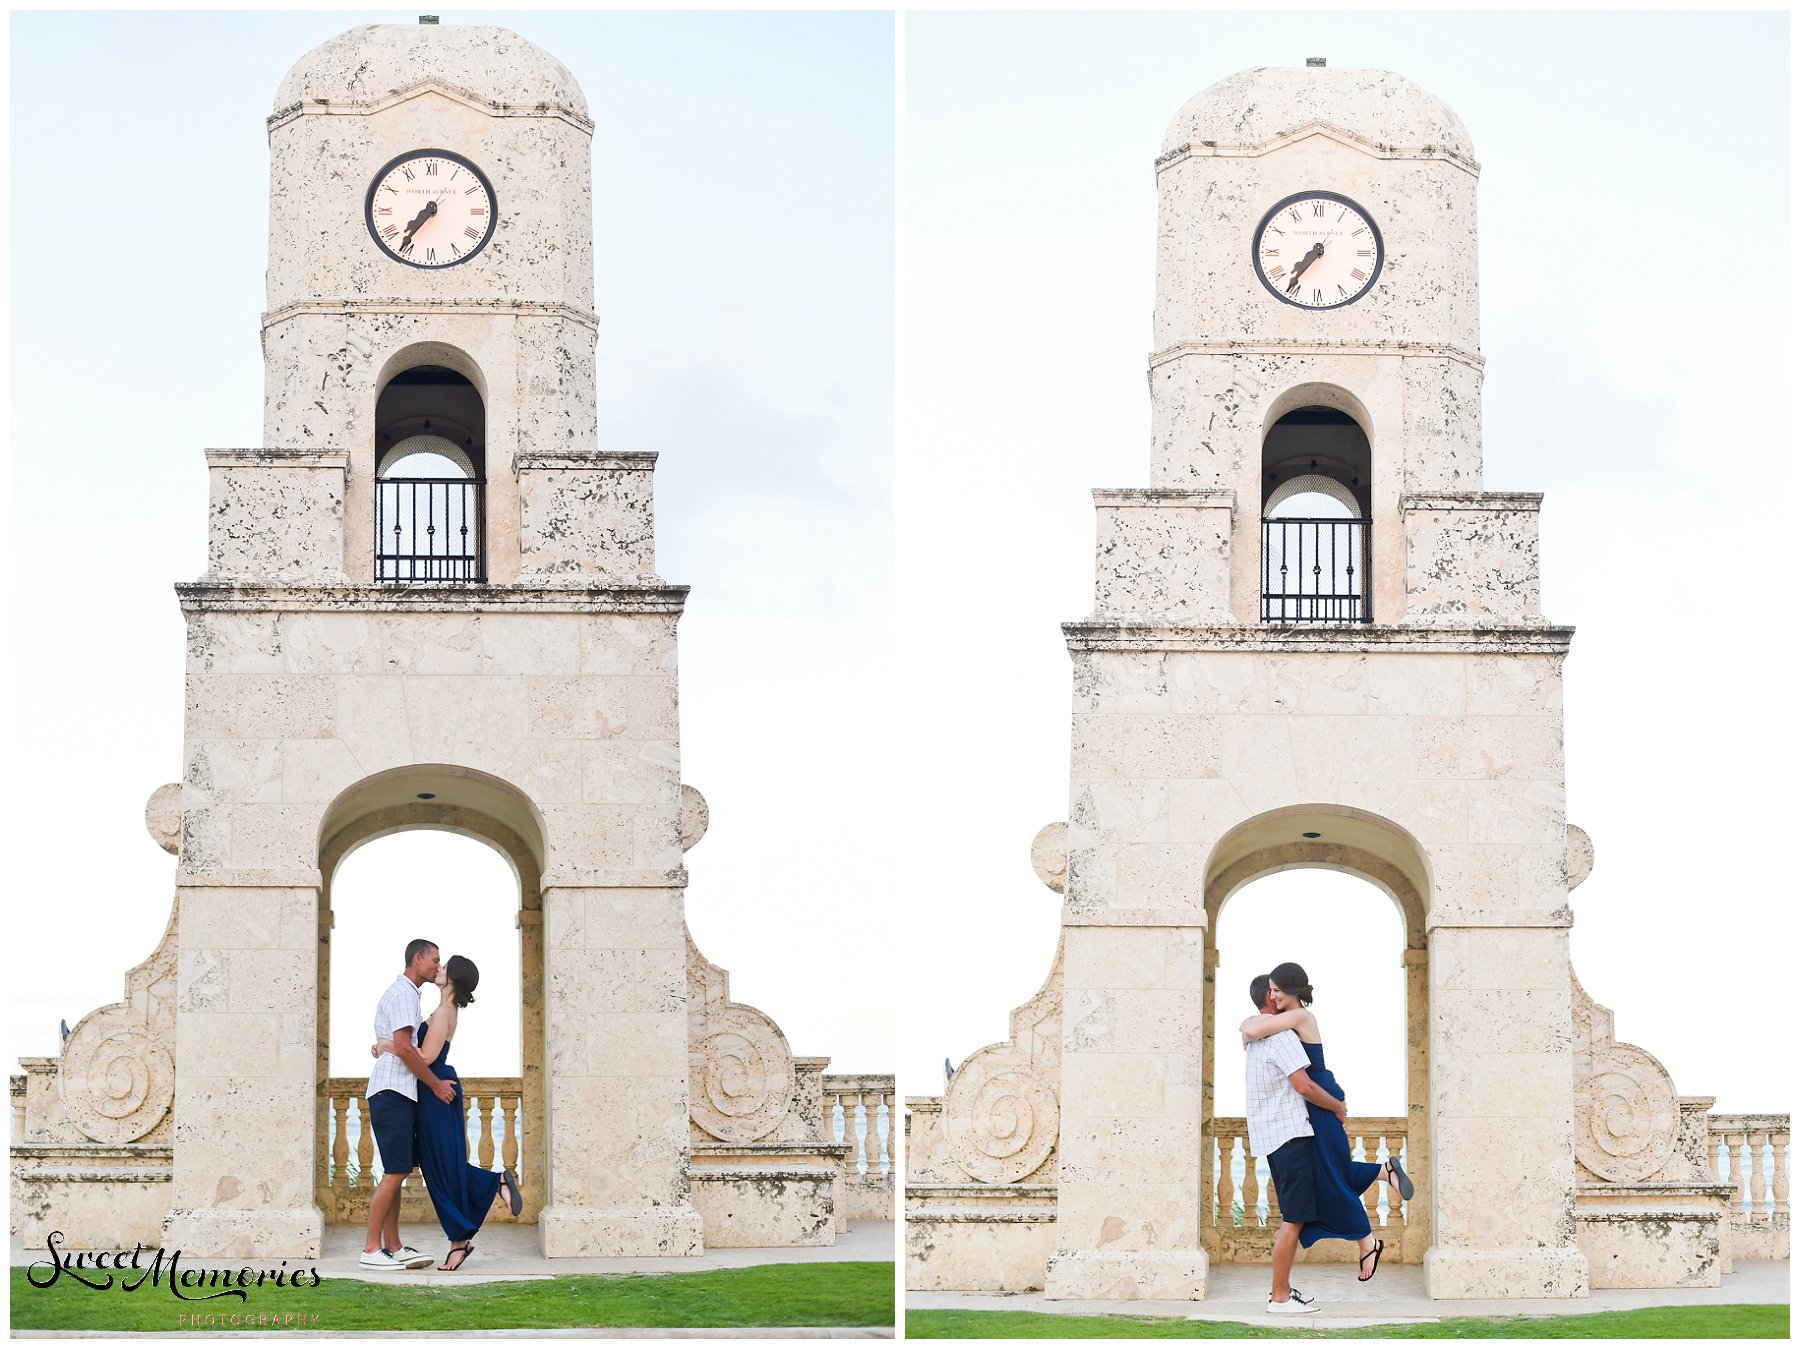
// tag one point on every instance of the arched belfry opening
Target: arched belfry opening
(1316, 551)
(430, 477)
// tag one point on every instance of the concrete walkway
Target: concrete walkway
(509, 1251)
(1395, 1295)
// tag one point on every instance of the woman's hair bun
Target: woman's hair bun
(1291, 980)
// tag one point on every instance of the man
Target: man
(394, 1107)
(1276, 1089)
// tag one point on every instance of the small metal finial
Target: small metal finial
(1311, 60)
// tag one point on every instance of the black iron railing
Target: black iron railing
(1315, 571)
(431, 530)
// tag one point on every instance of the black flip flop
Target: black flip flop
(1380, 1245)
(1401, 1179)
(516, 1204)
(466, 1249)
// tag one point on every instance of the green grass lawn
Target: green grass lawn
(851, 1293)
(1650, 1323)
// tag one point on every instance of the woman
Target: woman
(462, 1194)
(1340, 1182)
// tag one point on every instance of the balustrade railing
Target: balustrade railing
(859, 1110)
(431, 530)
(1753, 1150)
(1315, 571)
(1244, 1191)
(491, 1106)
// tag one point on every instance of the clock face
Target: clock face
(430, 208)
(1317, 250)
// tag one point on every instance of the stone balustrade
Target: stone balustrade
(1752, 1151)
(859, 1110)
(1242, 1219)
(348, 1170)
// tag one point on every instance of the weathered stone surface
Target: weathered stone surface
(162, 817)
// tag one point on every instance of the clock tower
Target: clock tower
(1316, 642)
(431, 602)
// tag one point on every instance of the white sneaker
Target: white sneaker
(1296, 1305)
(412, 1259)
(382, 1259)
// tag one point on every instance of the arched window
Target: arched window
(1315, 544)
(430, 488)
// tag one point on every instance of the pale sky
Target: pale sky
(1635, 301)
(744, 260)
(875, 691)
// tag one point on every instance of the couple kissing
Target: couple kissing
(428, 1127)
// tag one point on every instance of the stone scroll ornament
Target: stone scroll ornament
(1626, 1115)
(117, 1069)
(1002, 1113)
(1001, 1116)
(740, 1069)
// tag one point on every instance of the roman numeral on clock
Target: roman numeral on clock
(1271, 252)
(471, 232)
(408, 172)
(468, 190)
(431, 168)
(431, 255)
(1276, 273)
(1318, 209)
(1359, 274)
(1318, 296)
(1365, 252)
(389, 231)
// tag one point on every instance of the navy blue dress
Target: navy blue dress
(461, 1193)
(1339, 1182)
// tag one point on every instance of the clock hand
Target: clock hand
(429, 210)
(1316, 252)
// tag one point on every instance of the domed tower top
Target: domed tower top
(1261, 104)
(495, 65)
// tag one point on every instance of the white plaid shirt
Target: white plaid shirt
(398, 1010)
(1274, 1111)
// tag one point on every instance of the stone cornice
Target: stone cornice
(1472, 501)
(1218, 498)
(236, 596)
(639, 461)
(278, 458)
(1317, 127)
(317, 107)
(1101, 634)
(1298, 347)
(395, 304)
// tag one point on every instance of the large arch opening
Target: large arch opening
(401, 854)
(1344, 893)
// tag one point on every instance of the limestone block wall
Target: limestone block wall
(587, 515)
(1472, 556)
(295, 697)
(276, 513)
(1457, 747)
(325, 365)
(542, 247)
(1166, 553)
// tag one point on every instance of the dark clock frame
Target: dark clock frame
(396, 162)
(1316, 195)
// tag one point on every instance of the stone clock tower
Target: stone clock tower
(1316, 642)
(431, 601)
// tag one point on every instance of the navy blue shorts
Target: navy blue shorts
(394, 1118)
(1291, 1168)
